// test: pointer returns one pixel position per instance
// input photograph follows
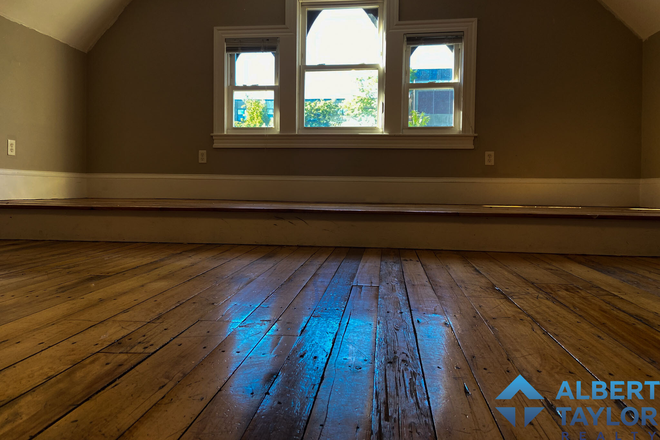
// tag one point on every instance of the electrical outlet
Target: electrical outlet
(202, 156)
(11, 147)
(490, 158)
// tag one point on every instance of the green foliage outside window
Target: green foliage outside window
(418, 119)
(323, 113)
(364, 106)
(256, 114)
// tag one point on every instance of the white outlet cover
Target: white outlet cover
(202, 156)
(11, 147)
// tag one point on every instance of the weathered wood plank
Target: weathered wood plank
(177, 320)
(369, 272)
(458, 407)
(228, 414)
(122, 291)
(27, 374)
(489, 362)
(38, 339)
(34, 411)
(112, 411)
(296, 316)
(581, 345)
(284, 412)
(401, 408)
(342, 408)
(179, 408)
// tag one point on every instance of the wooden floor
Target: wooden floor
(155, 341)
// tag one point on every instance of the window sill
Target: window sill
(346, 141)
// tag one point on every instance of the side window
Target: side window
(433, 82)
(341, 68)
(252, 84)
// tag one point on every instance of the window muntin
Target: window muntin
(252, 90)
(342, 72)
(433, 84)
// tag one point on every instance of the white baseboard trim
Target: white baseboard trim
(571, 192)
(21, 184)
(650, 193)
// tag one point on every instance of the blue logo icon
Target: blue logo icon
(520, 385)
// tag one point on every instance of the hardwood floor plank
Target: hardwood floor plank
(34, 411)
(639, 297)
(57, 270)
(112, 411)
(239, 306)
(36, 340)
(527, 270)
(33, 371)
(161, 341)
(54, 292)
(343, 405)
(284, 412)
(599, 355)
(369, 272)
(401, 408)
(200, 306)
(226, 417)
(121, 291)
(639, 338)
(618, 272)
(295, 318)
(458, 407)
(171, 416)
(488, 361)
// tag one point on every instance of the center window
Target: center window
(342, 72)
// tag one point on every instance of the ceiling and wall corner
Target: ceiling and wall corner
(78, 23)
(641, 16)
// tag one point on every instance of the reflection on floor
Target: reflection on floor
(155, 341)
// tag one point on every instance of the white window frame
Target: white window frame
(464, 102)
(395, 131)
(305, 6)
(231, 88)
(455, 84)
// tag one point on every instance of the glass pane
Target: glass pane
(433, 63)
(255, 69)
(343, 36)
(431, 108)
(341, 99)
(254, 109)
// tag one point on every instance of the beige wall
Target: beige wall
(43, 101)
(651, 108)
(558, 94)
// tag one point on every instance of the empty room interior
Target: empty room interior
(330, 219)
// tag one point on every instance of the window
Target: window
(433, 81)
(328, 70)
(341, 63)
(252, 88)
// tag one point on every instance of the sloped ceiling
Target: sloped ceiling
(642, 16)
(80, 23)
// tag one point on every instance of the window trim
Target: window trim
(230, 89)
(303, 68)
(456, 84)
(393, 135)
